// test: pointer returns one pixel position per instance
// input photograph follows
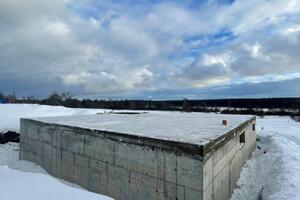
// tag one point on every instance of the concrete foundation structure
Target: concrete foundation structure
(131, 165)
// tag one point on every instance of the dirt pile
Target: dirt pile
(9, 136)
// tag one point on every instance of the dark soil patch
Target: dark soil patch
(124, 113)
(9, 136)
(129, 113)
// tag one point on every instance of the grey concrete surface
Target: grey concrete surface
(127, 167)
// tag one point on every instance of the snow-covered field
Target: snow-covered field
(272, 173)
(10, 114)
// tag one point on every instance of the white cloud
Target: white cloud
(101, 82)
(58, 28)
(249, 16)
(206, 71)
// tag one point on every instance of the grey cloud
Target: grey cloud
(204, 72)
(277, 55)
(285, 88)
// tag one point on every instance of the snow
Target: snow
(10, 114)
(25, 180)
(193, 128)
(273, 172)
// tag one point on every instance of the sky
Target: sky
(150, 49)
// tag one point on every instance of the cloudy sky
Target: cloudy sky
(150, 49)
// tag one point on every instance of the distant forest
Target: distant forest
(259, 106)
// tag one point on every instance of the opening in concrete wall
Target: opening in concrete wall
(242, 139)
(253, 127)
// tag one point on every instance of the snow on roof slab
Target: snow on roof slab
(181, 129)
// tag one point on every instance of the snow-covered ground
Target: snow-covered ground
(22, 180)
(273, 172)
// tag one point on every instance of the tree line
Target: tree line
(259, 106)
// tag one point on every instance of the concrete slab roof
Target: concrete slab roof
(191, 128)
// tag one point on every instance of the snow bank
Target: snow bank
(33, 186)
(273, 172)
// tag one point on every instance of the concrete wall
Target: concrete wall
(111, 165)
(222, 166)
(128, 168)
